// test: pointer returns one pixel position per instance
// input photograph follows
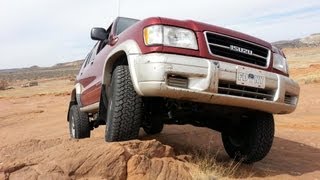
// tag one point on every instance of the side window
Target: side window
(124, 23)
(87, 60)
(93, 52)
(90, 56)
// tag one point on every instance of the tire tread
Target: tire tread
(125, 118)
(261, 130)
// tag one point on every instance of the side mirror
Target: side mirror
(99, 34)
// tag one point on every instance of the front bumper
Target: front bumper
(209, 81)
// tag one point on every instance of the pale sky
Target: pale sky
(43, 32)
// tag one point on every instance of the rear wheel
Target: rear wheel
(79, 126)
(153, 125)
(252, 140)
(154, 119)
(125, 108)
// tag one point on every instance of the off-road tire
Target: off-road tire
(79, 126)
(152, 125)
(252, 141)
(125, 107)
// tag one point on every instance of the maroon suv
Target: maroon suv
(158, 70)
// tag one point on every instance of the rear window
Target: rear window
(124, 23)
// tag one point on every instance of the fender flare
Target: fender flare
(75, 97)
(127, 48)
(78, 90)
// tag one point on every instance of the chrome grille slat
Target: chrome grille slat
(233, 89)
(243, 92)
(220, 45)
(226, 47)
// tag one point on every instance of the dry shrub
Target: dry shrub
(312, 80)
(30, 84)
(3, 84)
(212, 168)
(72, 79)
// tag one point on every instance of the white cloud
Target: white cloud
(42, 32)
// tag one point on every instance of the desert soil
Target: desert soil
(35, 143)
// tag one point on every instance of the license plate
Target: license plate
(250, 77)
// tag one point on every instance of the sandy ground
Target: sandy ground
(302, 57)
(31, 119)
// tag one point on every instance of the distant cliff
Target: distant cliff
(309, 41)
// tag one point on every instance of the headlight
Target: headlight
(280, 63)
(170, 36)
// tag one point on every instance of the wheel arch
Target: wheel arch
(118, 56)
(75, 97)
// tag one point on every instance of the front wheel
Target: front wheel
(252, 140)
(125, 107)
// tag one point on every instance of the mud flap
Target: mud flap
(70, 104)
(102, 114)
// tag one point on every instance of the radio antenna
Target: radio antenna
(118, 8)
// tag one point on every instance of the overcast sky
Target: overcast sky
(43, 32)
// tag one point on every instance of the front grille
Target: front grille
(221, 45)
(233, 89)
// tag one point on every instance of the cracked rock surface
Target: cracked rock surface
(91, 159)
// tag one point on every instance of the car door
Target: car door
(92, 74)
(86, 78)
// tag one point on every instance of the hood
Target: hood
(202, 27)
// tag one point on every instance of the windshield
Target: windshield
(124, 23)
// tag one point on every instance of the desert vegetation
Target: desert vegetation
(3, 84)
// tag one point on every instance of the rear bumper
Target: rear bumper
(209, 81)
